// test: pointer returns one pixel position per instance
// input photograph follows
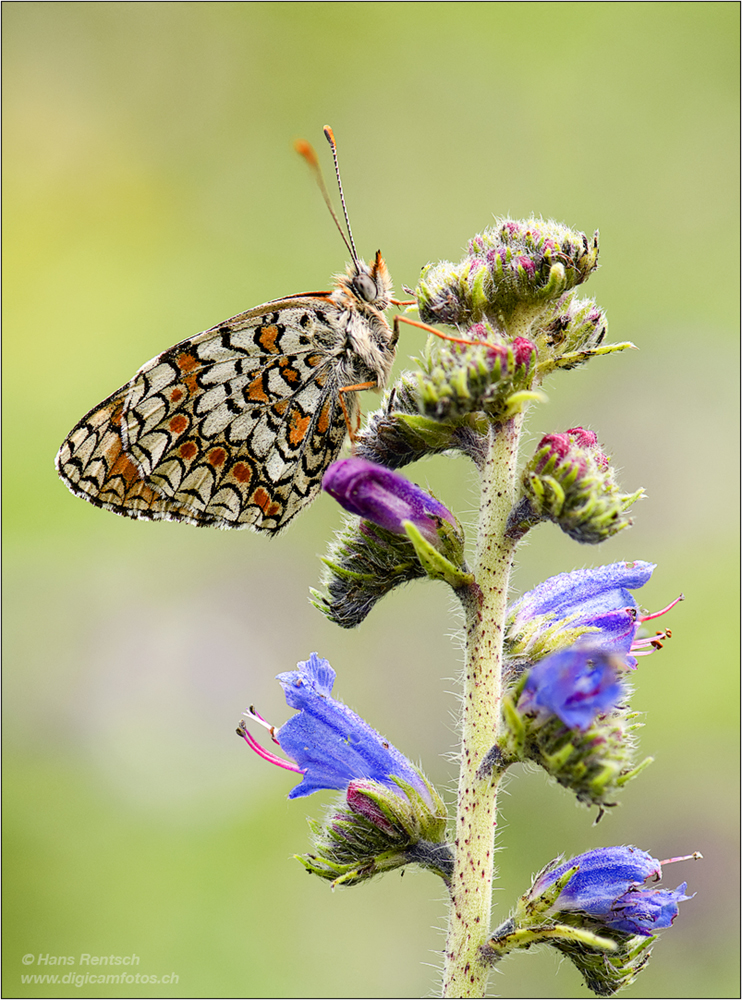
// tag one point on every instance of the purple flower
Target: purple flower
(377, 494)
(576, 685)
(331, 745)
(599, 599)
(609, 888)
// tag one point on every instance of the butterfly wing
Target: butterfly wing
(233, 427)
(93, 465)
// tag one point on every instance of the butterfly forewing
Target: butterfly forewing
(233, 427)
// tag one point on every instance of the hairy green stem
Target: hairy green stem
(465, 972)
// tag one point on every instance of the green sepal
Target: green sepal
(540, 635)
(498, 947)
(380, 828)
(434, 562)
(361, 567)
(518, 401)
(606, 972)
(425, 432)
(575, 358)
(556, 284)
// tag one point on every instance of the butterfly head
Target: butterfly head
(368, 284)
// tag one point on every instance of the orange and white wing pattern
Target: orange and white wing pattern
(233, 427)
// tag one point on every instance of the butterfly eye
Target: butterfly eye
(365, 286)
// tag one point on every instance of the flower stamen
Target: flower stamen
(257, 717)
(646, 618)
(262, 752)
(695, 856)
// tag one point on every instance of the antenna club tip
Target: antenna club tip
(305, 149)
(329, 134)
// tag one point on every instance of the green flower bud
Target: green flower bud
(511, 274)
(570, 481)
(484, 375)
(379, 829)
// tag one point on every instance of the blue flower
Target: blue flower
(330, 744)
(608, 887)
(377, 494)
(576, 685)
(595, 602)
(644, 911)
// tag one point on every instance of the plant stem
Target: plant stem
(465, 973)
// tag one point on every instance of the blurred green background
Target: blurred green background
(151, 191)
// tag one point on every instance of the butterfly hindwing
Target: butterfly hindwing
(94, 465)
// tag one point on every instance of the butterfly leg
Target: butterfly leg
(353, 433)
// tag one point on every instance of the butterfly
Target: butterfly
(235, 426)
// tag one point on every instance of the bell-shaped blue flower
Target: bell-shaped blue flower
(576, 685)
(594, 603)
(597, 910)
(330, 744)
(609, 888)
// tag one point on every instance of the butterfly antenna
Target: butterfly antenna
(305, 149)
(331, 139)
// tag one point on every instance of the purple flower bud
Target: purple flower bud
(364, 805)
(524, 352)
(576, 685)
(527, 264)
(609, 888)
(377, 494)
(577, 446)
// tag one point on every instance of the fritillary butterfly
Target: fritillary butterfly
(235, 427)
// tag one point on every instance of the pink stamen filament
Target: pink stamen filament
(646, 618)
(267, 755)
(695, 856)
(655, 641)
